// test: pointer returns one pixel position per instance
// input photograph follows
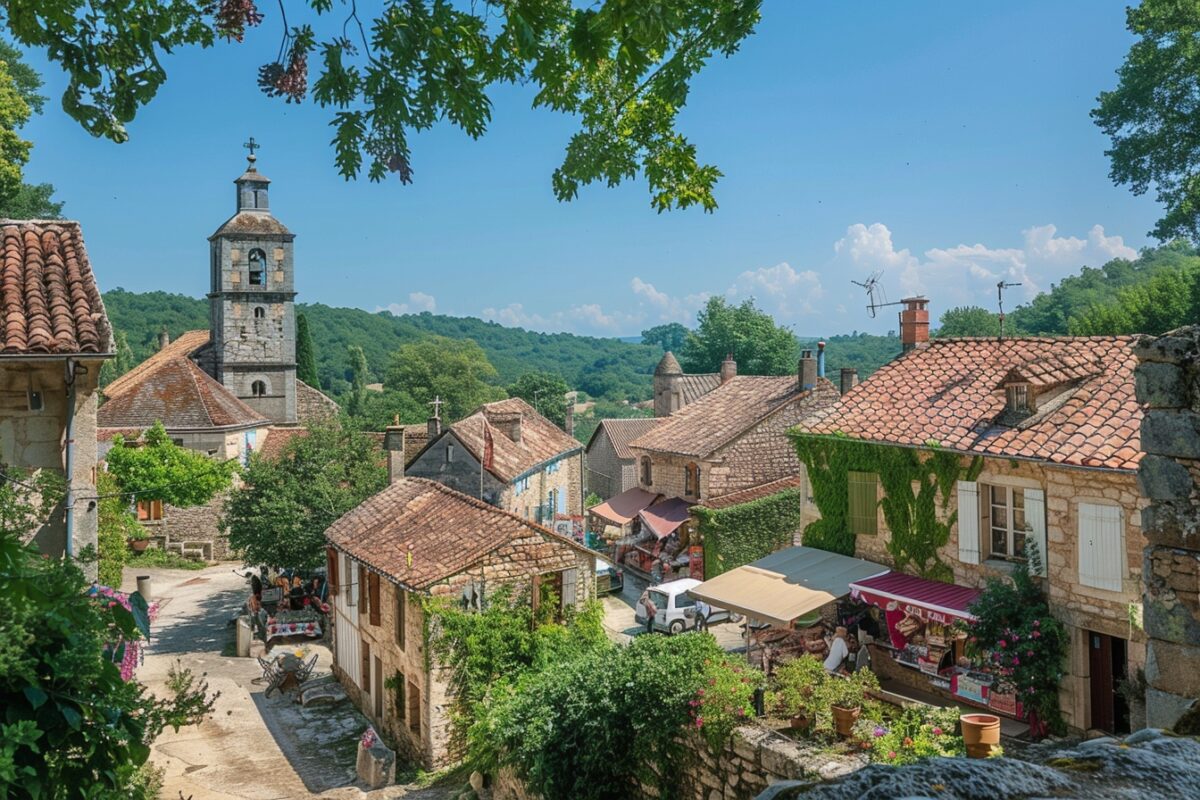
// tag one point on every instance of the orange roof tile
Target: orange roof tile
(623, 431)
(952, 392)
(754, 493)
(182, 347)
(180, 395)
(541, 439)
(445, 531)
(49, 302)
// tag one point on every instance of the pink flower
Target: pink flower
(1016, 661)
(937, 731)
(699, 722)
(1036, 634)
(1002, 643)
(700, 692)
(1037, 623)
(891, 754)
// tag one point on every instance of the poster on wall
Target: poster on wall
(696, 562)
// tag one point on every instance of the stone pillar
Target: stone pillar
(1168, 382)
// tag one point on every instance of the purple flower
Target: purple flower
(879, 731)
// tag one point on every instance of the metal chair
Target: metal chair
(306, 669)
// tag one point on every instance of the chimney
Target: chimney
(849, 379)
(508, 424)
(914, 323)
(164, 339)
(807, 370)
(728, 369)
(393, 443)
(820, 359)
(434, 427)
(569, 421)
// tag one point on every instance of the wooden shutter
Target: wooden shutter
(364, 597)
(331, 565)
(863, 491)
(401, 705)
(1035, 518)
(401, 604)
(1101, 546)
(569, 579)
(968, 522)
(414, 708)
(365, 677)
(373, 586)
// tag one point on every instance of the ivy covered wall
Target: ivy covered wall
(916, 484)
(737, 535)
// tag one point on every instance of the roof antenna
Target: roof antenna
(1000, 287)
(876, 297)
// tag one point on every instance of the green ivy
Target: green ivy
(915, 482)
(740, 534)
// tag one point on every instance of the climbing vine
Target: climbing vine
(739, 534)
(917, 484)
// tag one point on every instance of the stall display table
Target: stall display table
(294, 623)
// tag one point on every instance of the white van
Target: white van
(676, 610)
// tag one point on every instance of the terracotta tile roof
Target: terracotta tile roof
(623, 431)
(668, 365)
(445, 531)
(541, 439)
(48, 294)
(276, 439)
(180, 395)
(721, 415)
(183, 347)
(245, 222)
(693, 387)
(952, 392)
(754, 493)
(416, 437)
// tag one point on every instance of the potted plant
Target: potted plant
(138, 538)
(797, 685)
(846, 696)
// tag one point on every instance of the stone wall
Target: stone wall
(1168, 381)
(608, 475)
(754, 758)
(191, 530)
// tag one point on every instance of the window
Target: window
(1005, 524)
(647, 474)
(1018, 398)
(373, 597)
(259, 312)
(351, 584)
(449, 453)
(521, 485)
(149, 510)
(472, 596)
(414, 708)
(401, 619)
(864, 503)
(398, 680)
(365, 677)
(258, 389)
(1101, 546)
(363, 590)
(691, 480)
(258, 268)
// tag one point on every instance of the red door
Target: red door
(1108, 662)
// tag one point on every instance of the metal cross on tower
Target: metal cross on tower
(252, 146)
(436, 402)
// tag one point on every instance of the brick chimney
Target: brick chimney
(164, 339)
(849, 379)
(435, 427)
(914, 323)
(728, 369)
(508, 424)
(569, 421)
(807, 370)
(393, 443)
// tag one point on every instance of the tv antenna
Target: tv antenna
(1001, 285)
(876, 297)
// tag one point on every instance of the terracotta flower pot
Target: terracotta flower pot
(980, 732)
(844, 719)
(801, 722)
(138, 545)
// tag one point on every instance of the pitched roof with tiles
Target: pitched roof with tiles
(49, 302)
(754, 493)
(541, 439)
(623, 431)
(952, 392)
(182, 347)
(180, 395)
(276, 439)
(702, 427)
(693, 387)
(445, 531)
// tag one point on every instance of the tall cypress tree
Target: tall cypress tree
(306, 356)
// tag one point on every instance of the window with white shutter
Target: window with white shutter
(1035, 519)
(570, 578)
(968, 522)
(1101, 546)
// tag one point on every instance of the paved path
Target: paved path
(621, 627)
(251, 747)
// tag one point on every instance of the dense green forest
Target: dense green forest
(606, 368)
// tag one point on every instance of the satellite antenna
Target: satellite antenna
(876, 297)
(1000, 287)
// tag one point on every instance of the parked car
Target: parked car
(609, 579)
(676, 610)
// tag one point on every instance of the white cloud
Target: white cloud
(662, 307)
(780, 289)
(417, 302)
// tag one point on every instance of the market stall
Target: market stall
(615, 522)
(922, 642)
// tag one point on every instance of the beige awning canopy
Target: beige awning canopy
(787, 584)
(621, 509)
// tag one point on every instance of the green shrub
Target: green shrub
(912, 734)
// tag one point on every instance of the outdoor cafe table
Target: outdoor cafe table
(278, 629)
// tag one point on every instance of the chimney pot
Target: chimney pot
(393, 443)
(434, 427)
(914, 323)
(164, 339)
(849, 379)
(728, 369)
(820, 359)
(807, 370)
(569, 423)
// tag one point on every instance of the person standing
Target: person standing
(702, 612)
(838, 650)
(650, 609)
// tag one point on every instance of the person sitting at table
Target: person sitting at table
(838, 651)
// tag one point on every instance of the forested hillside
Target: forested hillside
(601, 367)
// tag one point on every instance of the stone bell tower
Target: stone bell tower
(251, 303)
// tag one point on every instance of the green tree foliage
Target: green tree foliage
(14, 151)
(546, 392)
(121, 363)
(117, 525)
(279, 515)
(759, 345)
(161, 470)
(1168, 300)
(19, 99)
(736, 535)
(71, 726)
(670, 336)
(359, 376)
(306, 358)
(586, 423)
(970, 321)
(622, 69)
(1150, 116)
(455, 370)
(864, 352)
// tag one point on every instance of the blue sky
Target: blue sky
(948, 144)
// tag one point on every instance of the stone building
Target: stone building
(231, 390)
(507, 454)
(673, 389)
(1168, 380)
(1055, 424)
(611, 467)
(54, 337)
(419, 541)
